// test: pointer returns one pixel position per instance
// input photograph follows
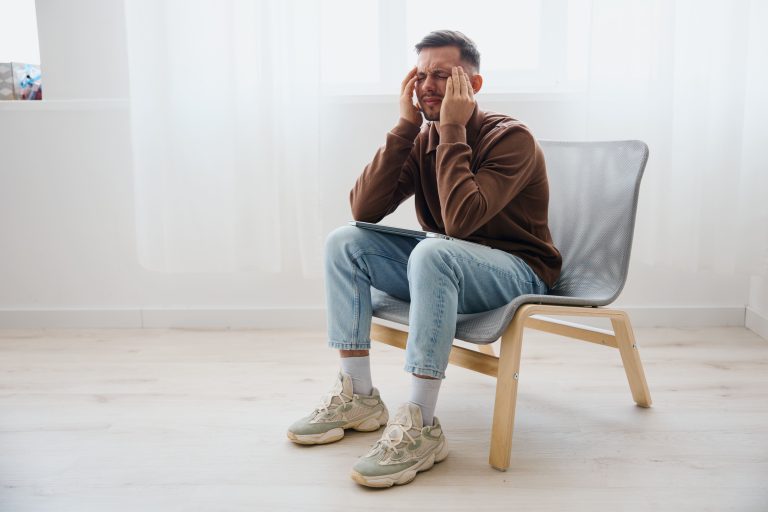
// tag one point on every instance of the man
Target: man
(477, 176)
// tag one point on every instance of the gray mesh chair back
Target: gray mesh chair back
(594, 189)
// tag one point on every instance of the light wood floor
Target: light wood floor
(194, 420)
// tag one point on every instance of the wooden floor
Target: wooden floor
(193, 420)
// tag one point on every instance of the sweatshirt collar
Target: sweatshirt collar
(473, 129)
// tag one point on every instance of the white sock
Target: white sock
(359, 368)
(424, 394)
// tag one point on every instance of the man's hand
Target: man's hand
(408, 109)
(459, 101)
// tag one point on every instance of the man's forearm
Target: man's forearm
(386, 181)
(469, 200)
(460, 198)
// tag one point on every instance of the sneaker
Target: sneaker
(405, 448)
(340, 409)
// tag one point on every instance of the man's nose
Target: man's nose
(429, 84)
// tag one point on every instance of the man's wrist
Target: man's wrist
(451, 133)
(406, 129)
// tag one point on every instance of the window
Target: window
(525, 45)
(19, 45)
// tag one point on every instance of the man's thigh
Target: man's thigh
(486, 278)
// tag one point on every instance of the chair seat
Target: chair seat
(481, 328)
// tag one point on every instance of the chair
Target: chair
(593, 199)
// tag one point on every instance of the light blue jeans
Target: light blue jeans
(439, 277)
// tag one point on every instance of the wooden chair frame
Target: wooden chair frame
(506, 366)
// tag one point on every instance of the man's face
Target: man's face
(433, 68)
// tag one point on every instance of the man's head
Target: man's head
(438, 53)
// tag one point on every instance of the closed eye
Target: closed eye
(437, 75)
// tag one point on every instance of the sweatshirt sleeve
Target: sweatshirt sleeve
(389, 179)
(467, 200)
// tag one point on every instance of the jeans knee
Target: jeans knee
(430, 255)
(430, 250)
(341, 241)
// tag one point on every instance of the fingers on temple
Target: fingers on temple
(456, 77)
(409, 78)
(470, 92)
(409, 87)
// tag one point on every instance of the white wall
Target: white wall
(67, 214)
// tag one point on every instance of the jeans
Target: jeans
(439, 277)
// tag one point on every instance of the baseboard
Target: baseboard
(255, 318)
(757, 323)
(314, 318)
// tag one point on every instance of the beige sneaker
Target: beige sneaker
(340, 409)
(405, 449)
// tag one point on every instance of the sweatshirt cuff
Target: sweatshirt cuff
(450, 133)
(406, 129)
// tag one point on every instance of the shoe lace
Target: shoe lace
(393, 435)
(327, 401)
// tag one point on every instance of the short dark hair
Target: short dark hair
(466, 46)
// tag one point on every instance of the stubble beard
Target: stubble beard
(432, 117)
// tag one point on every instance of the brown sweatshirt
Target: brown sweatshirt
(485, 182)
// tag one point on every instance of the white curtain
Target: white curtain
(224, 101)
(689, 78)
(224, 107)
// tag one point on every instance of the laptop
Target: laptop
(413, 233)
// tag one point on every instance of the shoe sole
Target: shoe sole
(335, 434)
(405, 476)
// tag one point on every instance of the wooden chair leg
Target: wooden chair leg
(630, 357)
(506, 394)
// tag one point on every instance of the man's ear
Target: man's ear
(477, 83)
